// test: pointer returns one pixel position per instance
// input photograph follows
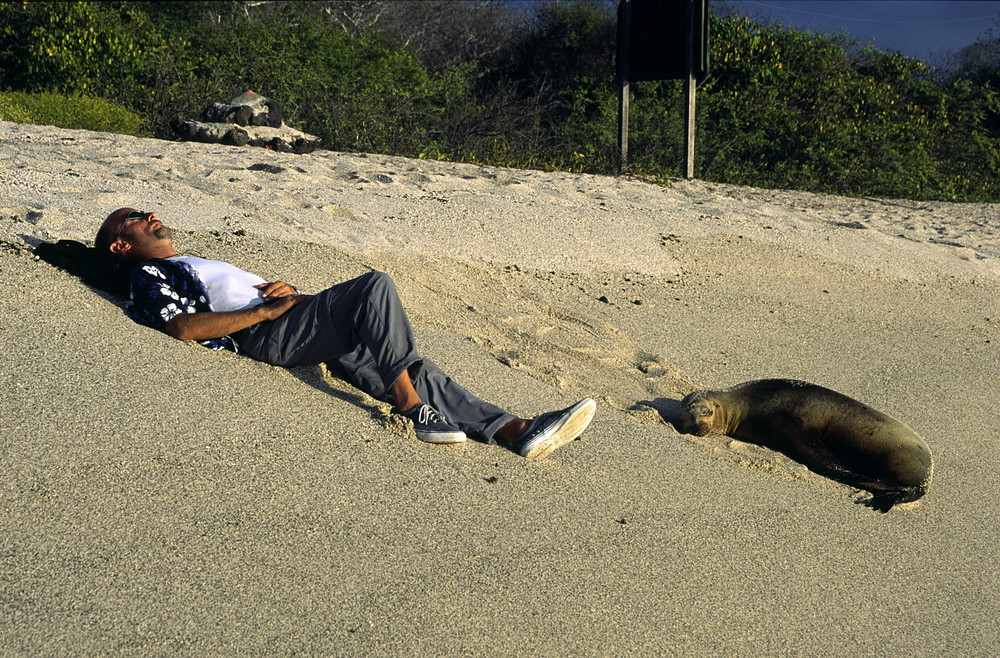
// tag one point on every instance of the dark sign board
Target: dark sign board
(652, 38)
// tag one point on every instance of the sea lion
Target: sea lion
(828, 432)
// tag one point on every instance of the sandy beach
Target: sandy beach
(163, 499)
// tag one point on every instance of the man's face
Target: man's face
(137, 230)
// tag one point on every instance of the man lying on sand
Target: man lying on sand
(359, 328)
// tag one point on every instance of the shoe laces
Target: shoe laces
(428, 414)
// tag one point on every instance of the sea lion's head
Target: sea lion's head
(697, 414)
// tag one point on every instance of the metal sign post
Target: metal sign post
(690, 89)
(624, 39)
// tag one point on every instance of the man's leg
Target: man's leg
(534, 438)
(469, 413)
(361, 321)
(403, 395)
(360, 329)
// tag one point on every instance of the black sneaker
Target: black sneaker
(554, 429)
(431, 426)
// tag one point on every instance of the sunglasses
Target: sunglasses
(135, 214)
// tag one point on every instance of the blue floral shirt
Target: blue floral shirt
(163, 289)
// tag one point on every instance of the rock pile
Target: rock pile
(247, 119)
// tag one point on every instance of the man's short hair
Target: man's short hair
(105, 237)
(102, 243)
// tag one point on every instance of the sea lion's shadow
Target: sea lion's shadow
(668, 409)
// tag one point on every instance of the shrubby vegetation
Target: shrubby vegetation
(75, 112)
(520, 86)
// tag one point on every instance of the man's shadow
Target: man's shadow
(84, 262)
(319, 378)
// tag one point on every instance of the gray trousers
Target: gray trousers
(360, 330)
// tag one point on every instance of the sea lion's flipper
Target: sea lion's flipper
(882, 501)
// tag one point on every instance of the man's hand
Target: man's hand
(275, 307)
(279, 298)
(276, 289)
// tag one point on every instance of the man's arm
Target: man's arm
(208, 324)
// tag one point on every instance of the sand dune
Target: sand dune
(160, 498)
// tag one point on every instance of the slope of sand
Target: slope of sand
(159, 498)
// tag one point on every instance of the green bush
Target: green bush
(12, 110)
(73, 47)
(74, 112)
(781, 108)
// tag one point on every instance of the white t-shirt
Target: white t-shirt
(228, 287)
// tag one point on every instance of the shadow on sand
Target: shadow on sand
(668, 409)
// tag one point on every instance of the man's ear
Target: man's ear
(119, 248)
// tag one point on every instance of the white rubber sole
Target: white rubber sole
(577, 420)
(441, 438)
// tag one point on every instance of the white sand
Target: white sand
(159, 498)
